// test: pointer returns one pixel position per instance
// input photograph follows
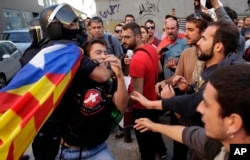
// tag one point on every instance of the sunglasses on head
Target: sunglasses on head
(197, 16)
(151, 27)
(118, 31)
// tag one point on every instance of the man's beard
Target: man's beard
(205, 57)
(131, 46)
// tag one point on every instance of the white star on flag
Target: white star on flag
(39, 60)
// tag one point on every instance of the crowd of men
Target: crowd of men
(198, 78)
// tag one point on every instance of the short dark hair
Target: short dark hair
(150, 21)
(129, 15)
(168, 16)
(200, 19)
(95, 19)
(232, 84)
(88, 46)
(144, 28)
(118, 25)
(132, 26)
(231, 13)
(228, 34)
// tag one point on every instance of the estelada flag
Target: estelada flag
(32, 95)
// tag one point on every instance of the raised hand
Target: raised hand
(167, 91)
(181, 82)
(172, 62)
(115, 64)
(141, 99)
(159, 86)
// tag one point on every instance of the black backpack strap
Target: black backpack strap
(111, 43)
(114, 109)
(110, 40)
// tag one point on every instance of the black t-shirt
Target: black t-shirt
(89, 115)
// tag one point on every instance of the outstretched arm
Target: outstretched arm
(145, 102)
(173, 132)
(194, 137)
(185, 105)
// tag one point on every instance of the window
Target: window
(40, 2)
(9, 47)
(27, 16)
(12, 18)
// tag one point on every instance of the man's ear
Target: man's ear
(138, 36)
(235, 123)
(219, 47)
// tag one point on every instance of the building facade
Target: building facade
(16, 14)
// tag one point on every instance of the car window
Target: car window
(2, 50)
(11, 48)
(18, 37)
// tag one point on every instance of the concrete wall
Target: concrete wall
(113, 11)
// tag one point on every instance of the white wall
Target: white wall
(113, 11)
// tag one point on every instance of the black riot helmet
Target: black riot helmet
(35, 30)
(52, 19)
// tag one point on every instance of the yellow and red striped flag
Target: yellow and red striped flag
(32, 95)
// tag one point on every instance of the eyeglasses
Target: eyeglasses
(118, 31)
(127, 36)
(151, 27)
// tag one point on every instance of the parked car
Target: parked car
(21, 38)
(9, 61)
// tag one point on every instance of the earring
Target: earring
(230, 135)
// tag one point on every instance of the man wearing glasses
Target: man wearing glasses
(118, 35)
(118, 32)
(150, 24)
(143, 69)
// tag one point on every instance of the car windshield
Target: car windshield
(16, 37)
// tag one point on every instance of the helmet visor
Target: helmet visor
(66, 15)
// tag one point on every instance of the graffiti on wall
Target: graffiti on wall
(248, 4)
(149, 8)
(112, 9)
